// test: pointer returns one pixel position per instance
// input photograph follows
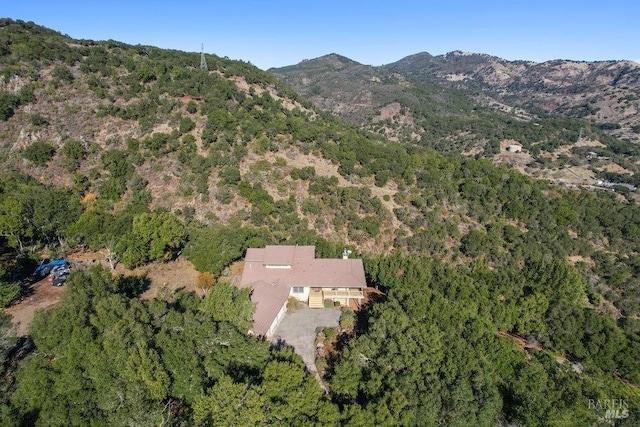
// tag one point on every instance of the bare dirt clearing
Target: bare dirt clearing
(165, 278)
(169, 277)
(43, 296)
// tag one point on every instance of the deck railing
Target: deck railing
(347, 293)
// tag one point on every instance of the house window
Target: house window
(298, 290)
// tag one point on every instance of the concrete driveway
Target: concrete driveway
(298, 329)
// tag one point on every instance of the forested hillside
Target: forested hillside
(503, 299)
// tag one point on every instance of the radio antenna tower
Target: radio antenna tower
(203, 62)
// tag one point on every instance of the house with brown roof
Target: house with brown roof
(276, 273)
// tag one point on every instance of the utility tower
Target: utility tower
(580, 135)
(203, 62)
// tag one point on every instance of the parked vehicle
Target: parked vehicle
(59, 271)
(60, 280)
(46, 266)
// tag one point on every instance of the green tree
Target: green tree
(214, 247)
(186, 125)
(39, 153)
(227, 403)
(154, 236)
(226, 303)
(475, 243)
(8, 292)
(144, 365)
(73, 152)
(11, 220)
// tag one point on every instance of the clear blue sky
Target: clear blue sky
(274, 33)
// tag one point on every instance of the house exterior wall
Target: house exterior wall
(276, 321)
(301, 296)
(514, 148)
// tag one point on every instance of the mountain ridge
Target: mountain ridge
(475, 103)
(493, 73)
(601, 91)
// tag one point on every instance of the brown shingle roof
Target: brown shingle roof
(279, 255)
(305, 270)
(254, 255)
(269, 299)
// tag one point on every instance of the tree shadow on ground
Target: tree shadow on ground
(133, 286)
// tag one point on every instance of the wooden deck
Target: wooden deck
(341, 294)
(346, 297)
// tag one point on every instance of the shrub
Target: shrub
(206, 281)
(230, 176)
(262, 166)
(8, 102)
(112, 188)
(321, 364)
(38, 120)
(224, 196)
(306, 173)
(293, 303)
(192, 107)
(73, 152)
(39, 153)
(62, 74)
(311, 206)
(330, 333)
(186, 125)
(347, 319)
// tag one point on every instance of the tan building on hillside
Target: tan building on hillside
(514, 148)
(276, 273)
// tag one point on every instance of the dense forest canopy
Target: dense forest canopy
(503, 299)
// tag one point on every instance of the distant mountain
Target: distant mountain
(604, 92)
(478, 104)
(340, 85)
(364, 95)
